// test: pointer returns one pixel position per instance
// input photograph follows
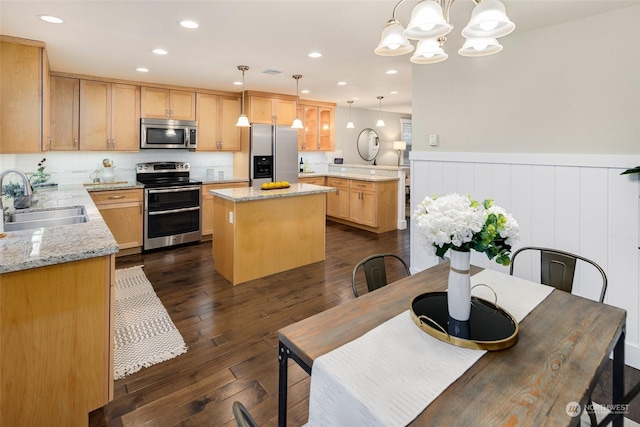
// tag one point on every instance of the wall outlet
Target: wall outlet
(230, 217)
(433, 140)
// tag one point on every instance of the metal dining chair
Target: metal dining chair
(557, 269)
(375, 271)
(242, 416)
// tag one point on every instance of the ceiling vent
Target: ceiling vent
(271, 72)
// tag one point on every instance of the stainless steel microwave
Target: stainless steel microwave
(163, 134)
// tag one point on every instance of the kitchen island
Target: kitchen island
(261, 232)
(56, 316)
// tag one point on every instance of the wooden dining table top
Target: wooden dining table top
(562, 348)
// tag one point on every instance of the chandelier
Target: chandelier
(430, 24)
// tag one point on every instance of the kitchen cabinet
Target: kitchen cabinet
(122, 211)
(271, 110)
(217, 116)
(24, 104)
(65, 113)
(56, 335)
(110, 115)
(338, 201)
(160, 103)
(207, 205)
(369, 205)
(318, 133)
(316, 180)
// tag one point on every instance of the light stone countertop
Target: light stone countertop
(206, 181)
(246, 194)
(108, 186)
(26, 249)
(358, 176)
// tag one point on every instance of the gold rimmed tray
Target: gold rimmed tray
(489, 327)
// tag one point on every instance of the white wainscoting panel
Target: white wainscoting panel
(578, 203)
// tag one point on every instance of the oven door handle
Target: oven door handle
(196, 208)
(173, 189)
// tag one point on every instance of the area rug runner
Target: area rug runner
(143, 332)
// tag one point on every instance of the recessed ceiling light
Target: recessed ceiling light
(237, 83)
(315, 55)
(342, 83)
(51, 19)
(394, 92)
(142, 70)
(189, 24)
(391, 72)
(305, 91)
(159, 51)
(355, 99)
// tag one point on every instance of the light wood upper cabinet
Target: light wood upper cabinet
(24, 101)
(271, 110)
(110, 116)
(158, 103)
(65, 113)
(318, 132)
(216, 116)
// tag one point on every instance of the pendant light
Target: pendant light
(297, 123)
(350, 124)
(243, 120)
(380, 122)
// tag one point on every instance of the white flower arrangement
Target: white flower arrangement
(461, 223)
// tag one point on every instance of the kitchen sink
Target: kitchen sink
(45, 218)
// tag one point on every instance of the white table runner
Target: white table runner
(391, 374)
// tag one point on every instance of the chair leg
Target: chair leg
(592, 414)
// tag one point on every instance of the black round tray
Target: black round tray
(489, 327)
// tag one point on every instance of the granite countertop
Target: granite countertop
(247, 194)
(26, 249)
(206, 181)
(358, 176)
(107, 186)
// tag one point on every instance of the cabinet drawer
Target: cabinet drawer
(116, 196)
(363, 185)
(319, 180)
(338, 182)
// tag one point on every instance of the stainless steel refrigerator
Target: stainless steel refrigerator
(274, 154)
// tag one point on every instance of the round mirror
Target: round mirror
(368, 144)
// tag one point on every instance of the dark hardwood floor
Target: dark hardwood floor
(232, 334)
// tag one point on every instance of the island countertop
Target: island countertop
(26, 249)
(246, 194)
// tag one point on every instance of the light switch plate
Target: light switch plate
(433, 140)
(230, 217)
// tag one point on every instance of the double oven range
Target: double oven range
(171, 204)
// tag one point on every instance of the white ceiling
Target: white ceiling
(111, 38)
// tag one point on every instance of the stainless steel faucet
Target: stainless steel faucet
(19, 202)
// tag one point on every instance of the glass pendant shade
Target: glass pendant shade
(350, 125)
(488, 19)
(392, 41)
(297, 124)
(243, 121)
(480, 47)
(429, 51)
(427, 21)
(380, 123)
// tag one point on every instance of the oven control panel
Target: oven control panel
(162, 167)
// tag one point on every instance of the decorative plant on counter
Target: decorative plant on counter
(40, 176)
(460, 223)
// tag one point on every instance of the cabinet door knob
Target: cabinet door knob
(113, 144)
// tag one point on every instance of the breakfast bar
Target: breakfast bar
(261, 232)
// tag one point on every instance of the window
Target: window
(405, 133)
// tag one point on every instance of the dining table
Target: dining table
(562, 347)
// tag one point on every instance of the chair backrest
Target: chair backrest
(557, 268)
(242, 416)
(375, 271)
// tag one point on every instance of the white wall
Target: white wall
(565, 98)
(561, 89)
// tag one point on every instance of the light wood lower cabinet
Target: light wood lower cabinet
(207, 205)
(56, 336)
(122, 210)
(368, 205)
(315, 180)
